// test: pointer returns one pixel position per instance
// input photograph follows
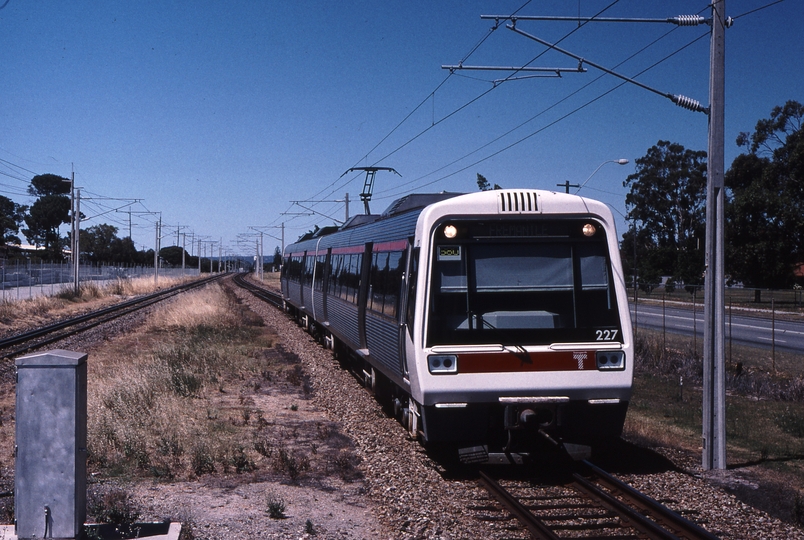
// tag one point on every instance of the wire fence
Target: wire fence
(25, 279)
(782, 299)
(778, 316)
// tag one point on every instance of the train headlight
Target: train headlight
(589, 229)
(442, 363)
(450, 231)
(610, 360)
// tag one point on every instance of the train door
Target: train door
(327, 271)
(407, 307)
(362, 295)
(302, 279)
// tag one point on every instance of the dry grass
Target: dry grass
(37, 311)
(155, 402)
(764, 408)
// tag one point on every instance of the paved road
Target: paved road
(741, 326)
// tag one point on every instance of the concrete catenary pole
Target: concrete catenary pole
(714, 403)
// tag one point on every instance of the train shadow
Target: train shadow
(551, 464)
(623, 457)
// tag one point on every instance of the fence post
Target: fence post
(694, 322)
(773, 334)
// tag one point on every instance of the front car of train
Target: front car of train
(522, 325)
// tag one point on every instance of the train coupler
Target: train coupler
(577, 452)
(480, 455)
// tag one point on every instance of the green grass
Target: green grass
(764, 408)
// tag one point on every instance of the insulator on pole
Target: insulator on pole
(688, 20)
(689, 103)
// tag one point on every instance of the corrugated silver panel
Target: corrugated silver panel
(343, 321)
(516, 202)
(294, 293)
(382, 337)
(318, 298)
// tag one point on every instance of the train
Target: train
(486, 321)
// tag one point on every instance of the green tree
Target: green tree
(172, 256)
(277, 262)
(484, 184)
(666, 204)
(96, 242)
(51, 210)
(765, 240)
(11, 216)
(123, 251)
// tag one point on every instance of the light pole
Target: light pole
(621, 161)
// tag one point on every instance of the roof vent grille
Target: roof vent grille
(517, 202)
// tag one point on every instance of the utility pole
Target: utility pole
(714, 394)
(714, 384)
(76, 242)
(158, 227)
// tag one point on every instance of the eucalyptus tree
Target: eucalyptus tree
(765, 240)
(666, 207)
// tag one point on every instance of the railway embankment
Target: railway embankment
(251, 430)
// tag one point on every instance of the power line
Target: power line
(395, 193)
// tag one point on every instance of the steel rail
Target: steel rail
(669, 519)
(636, 511)
(90, 320)
(536, 527)
(630, 516)
(271, 297)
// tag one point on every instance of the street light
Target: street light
(620, 161)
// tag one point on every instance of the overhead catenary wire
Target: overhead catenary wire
(386, 195)
(454, 112)
(395, 192)
(429, 96)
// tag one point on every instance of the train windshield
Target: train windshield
(529, 286)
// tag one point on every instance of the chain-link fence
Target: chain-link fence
(25, 279)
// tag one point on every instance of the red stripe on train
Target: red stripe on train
(508, 361)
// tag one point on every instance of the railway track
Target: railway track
(28, 341)
(592, 505)
(271, 297)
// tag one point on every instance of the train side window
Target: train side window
(353, 277)
(412, 277)
(379, 271)
(393, 283)
(307, 275)
(319, 272)
(386, 282)
(342, 268)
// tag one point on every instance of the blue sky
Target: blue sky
(219, 114)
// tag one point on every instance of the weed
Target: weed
(308, 528)
(289, 463)
(294, 407)
(344, 465)
(263, 447)
(203, 462)
(240, 460)
(276, 507)
(115, 507)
